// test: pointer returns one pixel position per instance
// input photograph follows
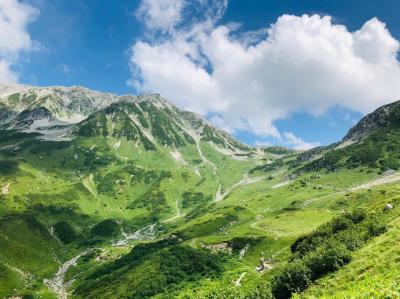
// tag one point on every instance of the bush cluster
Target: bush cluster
(107, 228)
(378, 150)
(325, 250)
(155, 268)
(192, 199)
(65, 232)
(8, 167)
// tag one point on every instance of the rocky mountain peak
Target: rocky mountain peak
(382, 117)
(147, 118)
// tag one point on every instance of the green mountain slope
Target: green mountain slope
(132, 192)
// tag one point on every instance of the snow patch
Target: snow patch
(72, 119)
(235, 154)
(242, 252)
(197, 171)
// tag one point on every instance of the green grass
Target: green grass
(373, 272)
(75, 186)
(28, 254)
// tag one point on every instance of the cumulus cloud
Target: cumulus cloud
(248, 80)
(14, 36)
(6, 75)
(163, 15)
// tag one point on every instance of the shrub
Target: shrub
(106, 228)
(348, 228)
(353, 238)
(293, 277)
(340, 224)
(310, 242)
(187, 263)
(327, 259)
(375, 228)
(8, 167)
(160, 268)
(190, 199)
(294, 206)
(329, 247)
(238, 243)
(47, 147)
(356, 216)
(65, 232)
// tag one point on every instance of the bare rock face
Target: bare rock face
(5, 114)
(380, 118)
(62, 112)
(27, 117)
(224, 246)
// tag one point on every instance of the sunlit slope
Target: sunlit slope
(135, 163)
(101, 189)
(373, 271)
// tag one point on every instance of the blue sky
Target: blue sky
(110, 45)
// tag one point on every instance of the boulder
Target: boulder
(388, 207)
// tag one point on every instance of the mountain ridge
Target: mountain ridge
(379, 118)
(139, 191)
(64, 103)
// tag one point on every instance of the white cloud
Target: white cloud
(160, 14)
(298, 143)
(262, 143)
(6, 75)
(303, 64)
(14, 37)
(288, 139)
(374, 44)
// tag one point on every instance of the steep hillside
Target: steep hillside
(371, 143)
(94, 168)
(383, 117)
(99, 190)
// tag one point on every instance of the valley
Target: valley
(100, 190)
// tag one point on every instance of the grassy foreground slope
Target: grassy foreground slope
(373, 272)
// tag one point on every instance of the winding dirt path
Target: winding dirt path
(178, 213)
(391, 178)
(246, 180)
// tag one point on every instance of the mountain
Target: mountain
(83, 111)
(372, 142)
(70, 104)
(383, 117)
(107, 196)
